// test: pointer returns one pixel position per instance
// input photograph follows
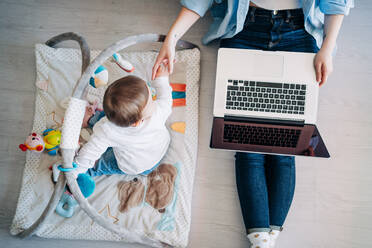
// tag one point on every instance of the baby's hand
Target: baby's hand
(162, 71)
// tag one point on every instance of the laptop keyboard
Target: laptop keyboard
(266, 97)
(258, 135)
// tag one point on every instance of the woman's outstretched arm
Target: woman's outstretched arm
(186, 18)
(323, 59)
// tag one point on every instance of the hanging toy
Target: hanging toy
(123, 64)
(52, 139)
(100, 77)
(34, 142)
(67, 204)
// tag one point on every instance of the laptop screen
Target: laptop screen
(316, 146)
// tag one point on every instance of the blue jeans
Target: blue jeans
(107, 164)
(266, 183)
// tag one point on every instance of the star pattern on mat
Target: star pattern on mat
(53, 114)
(43, 85)
(116, 219)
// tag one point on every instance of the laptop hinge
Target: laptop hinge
(287, 122)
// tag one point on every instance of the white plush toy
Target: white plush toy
(100, 77)
(123, 64)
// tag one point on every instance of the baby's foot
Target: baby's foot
(89, 112)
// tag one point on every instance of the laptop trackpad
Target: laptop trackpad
(268, 65)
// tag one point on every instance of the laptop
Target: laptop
(266, 102)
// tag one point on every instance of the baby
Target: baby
(129, 135)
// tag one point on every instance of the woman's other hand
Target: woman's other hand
(323, 59)
(323, 65)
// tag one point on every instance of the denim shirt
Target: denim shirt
(229, 15)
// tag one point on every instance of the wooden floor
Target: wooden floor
(333, 203)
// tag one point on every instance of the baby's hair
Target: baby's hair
(125, 99)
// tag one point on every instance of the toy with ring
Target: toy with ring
(74, 166)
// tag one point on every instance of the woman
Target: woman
(265, 183)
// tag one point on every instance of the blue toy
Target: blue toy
(67, 203)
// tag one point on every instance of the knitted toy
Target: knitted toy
(34, 142)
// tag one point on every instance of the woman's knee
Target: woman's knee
(248, 158)
(280, 160)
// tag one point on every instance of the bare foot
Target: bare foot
(89, 112)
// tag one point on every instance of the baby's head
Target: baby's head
(127, 101)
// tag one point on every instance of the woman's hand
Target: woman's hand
(165, 56)
(323, 65)
(185, 19)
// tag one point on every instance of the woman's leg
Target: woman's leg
(250, 167)
(252, 191)
(281, 180)
(281, 172)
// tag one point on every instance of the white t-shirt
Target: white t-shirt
(278, 4)
(136, 149)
